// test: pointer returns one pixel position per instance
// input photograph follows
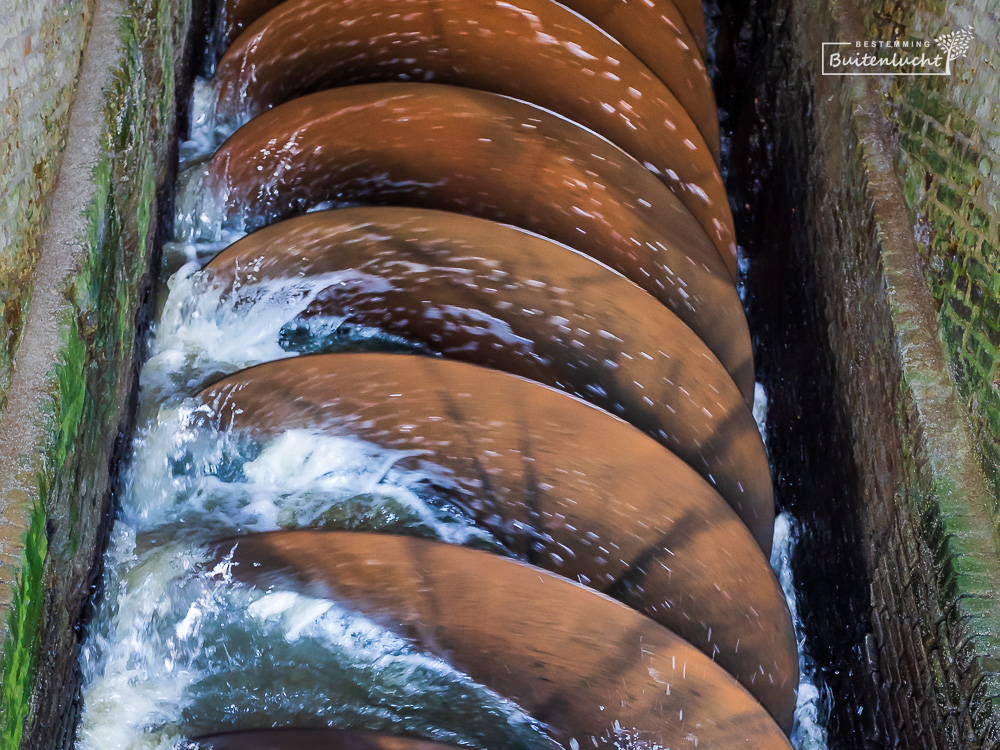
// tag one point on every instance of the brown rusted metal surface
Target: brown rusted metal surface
(236, 15)
(588, 667)
(686, 16)
(721, 446)
(535, 50)
(472, 152)
(310, 739)
(647, 28)
(651, 30)
(462, 409)
(694, 18)
(500, 296)
(561, 483)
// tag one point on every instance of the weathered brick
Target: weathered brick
(966, 189)
(40, 47)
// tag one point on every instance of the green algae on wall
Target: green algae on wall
(83, 408)
(949, 131)
(22, 643)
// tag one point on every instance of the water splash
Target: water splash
(172, 651)
(205, 133)
(184, 650)
(760, 404)
(204, 332)
(812, 705)
(190, 480)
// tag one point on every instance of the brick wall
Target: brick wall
(41, 42)
(949, 161)
(65, 415)
(826, 174)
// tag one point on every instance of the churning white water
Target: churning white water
(172, 652)
(177, 647)
(811, 706)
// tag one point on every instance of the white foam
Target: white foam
(811, 706)
(181, 649)
(204, 332)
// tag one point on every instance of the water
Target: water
(173, 653)
(812, 704)
(179, 648)
(183, 650)
(813, 700)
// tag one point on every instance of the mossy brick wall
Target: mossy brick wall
(40, 46)
(949, 161)
(82, 405)
(819, 160)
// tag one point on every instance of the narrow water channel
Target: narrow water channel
(434, 363)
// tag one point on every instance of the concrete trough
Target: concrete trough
(866, 208)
